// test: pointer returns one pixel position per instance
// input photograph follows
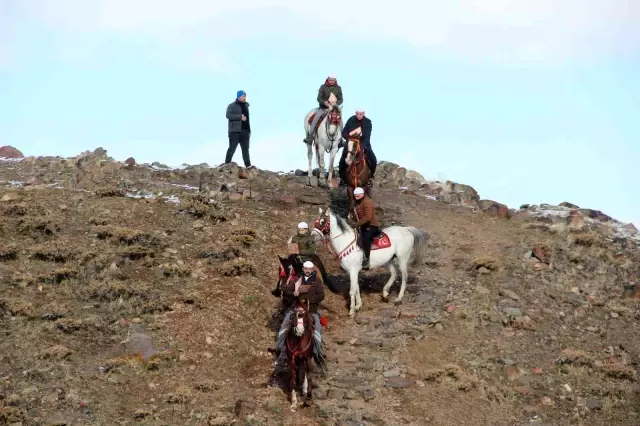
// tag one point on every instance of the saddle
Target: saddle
(333, 118)
(380, 241)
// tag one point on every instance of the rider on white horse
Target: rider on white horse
(313, 289)
(367, 221)
(329, 93)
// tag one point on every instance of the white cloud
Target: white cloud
(478, 29)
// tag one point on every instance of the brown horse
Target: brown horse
(358, 172)
(299, 347)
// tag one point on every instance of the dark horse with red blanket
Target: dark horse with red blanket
(299, 344)
(293, 265)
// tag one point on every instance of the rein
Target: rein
(346, 251)
(353, 167)
(295, 352)
(327, 123)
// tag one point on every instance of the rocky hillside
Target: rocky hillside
(139, 294)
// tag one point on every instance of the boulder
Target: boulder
(494, 208)
(8, 151)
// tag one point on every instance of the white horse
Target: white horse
(404, 243)
(328, 138)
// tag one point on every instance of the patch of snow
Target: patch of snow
(548, 211)
(10, 160)
(146, 194)
(562, 212)
(13, 183)
(185, 186)
(139, 194)
(55, 185)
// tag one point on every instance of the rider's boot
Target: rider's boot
(308, 139)
(366, 264)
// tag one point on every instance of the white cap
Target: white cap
(333, 76)
(303, 225)
(359, 110)
(308, 264)
(358, 191)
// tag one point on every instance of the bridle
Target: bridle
(323, 225)
(334, 118)
(300, 313)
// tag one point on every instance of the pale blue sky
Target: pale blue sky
(528, 102)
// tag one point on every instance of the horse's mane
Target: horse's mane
(339, 204)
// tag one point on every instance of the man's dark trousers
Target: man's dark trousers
(368, 233)
(241, 138)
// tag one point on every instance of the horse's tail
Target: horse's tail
(420, 239)
(323, 273)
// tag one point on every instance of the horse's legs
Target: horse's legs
(310, 157)
(393, 268)
(306, 384)
(332, 157)
(404, 269)
(358, 299)
(292, 384)
(320, 161)
(353, 275)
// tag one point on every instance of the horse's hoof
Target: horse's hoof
(293, 409)
(398, 302)
(307, 402)
(385, 299)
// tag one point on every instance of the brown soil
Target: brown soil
(121, 310)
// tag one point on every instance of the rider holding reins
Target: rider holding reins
(328, 92)
(310, 288)
(358, 125)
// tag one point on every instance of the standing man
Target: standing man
(360, 125)
(328, 93)
(239, 128)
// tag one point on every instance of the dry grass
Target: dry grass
(236, 268)
(54, 251)
(79, 283)
(8, 252)
(38, 226)
(109, 192)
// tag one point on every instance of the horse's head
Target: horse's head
(353, 148)
(322, 225)
(300, 314)
(334, 119)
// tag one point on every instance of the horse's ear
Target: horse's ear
(320, 211)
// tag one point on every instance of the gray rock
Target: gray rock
(391, 373)
(335, 394)
(368, 394)
(508, 293)
(513, 312)
(319, 393)
(425, 297)
(348, 383)
(399, 383)
(594, 404)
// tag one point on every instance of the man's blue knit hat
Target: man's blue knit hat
(240, 94)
